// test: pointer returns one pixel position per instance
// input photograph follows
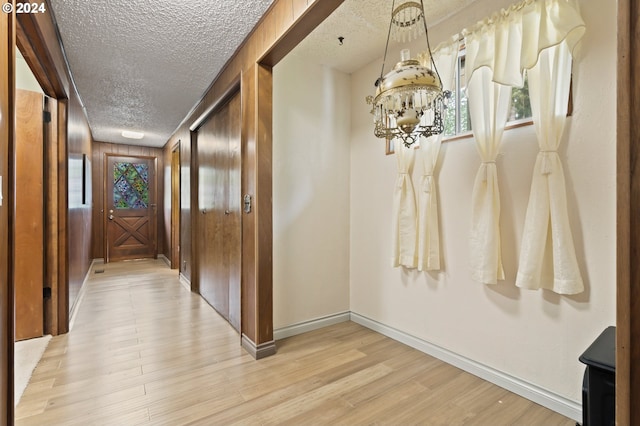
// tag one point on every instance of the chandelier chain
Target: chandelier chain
(386, 48)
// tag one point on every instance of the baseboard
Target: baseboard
(83, 288)
(260, 351)
(306, 326)
(165, 259)
(184, 281)
(552, 401)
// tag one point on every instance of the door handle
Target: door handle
(227, 212)
(110, 217)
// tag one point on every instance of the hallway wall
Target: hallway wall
(311, 130)
(79, 143)
(534, 336)
(98, 155)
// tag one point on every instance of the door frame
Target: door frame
(628, 219)
(175, 206)
(105, 197)
(7, 128)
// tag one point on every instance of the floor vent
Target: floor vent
(99, 271)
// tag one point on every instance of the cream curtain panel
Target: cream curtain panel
(445, 58)
(489, 104)
(498, 50)
(547, 219)
(404, 225)
(511, 40)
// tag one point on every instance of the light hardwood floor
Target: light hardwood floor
(144, 350)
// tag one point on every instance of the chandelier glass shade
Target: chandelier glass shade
(409, 101)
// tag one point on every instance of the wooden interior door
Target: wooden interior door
(130, 216)
(219, 204)
(29, 215)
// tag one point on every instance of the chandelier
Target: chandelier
(409, 100)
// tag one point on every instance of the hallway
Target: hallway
(144, 350)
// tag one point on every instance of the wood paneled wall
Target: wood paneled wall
(97, 171)
(628, 207)
(284, 25)
(79, 143)
(7, 86)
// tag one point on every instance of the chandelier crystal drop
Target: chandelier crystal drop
(406, 22)
(409, 101)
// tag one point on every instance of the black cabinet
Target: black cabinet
(599, 383)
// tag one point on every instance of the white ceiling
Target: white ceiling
(142, 65)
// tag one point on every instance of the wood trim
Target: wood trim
(7, 129)
(63, 220)
(263, 206)
(628, 205)
(228, 93)
(39, 42)
(51, 217)
(260, 351)
(194, 278)
(294, 34)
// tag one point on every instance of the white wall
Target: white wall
(311, 131)
(25, 79)
(536, 336)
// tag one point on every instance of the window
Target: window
(458, 121)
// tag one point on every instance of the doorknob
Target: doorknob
(110, 217)
(227, 212)
(110, 211)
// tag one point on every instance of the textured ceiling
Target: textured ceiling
(364, 24)
(142, 65)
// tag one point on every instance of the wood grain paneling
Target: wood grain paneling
(628, 208)
(29, 220)
(7, 87)
(282, 27)
(100, 149)
(79, 143)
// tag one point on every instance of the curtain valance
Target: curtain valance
(511, 40)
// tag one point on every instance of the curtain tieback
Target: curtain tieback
(486, 169)
(427, 181)
(546, 161)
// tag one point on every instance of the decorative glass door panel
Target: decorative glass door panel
(131, 185)
(130, 216)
